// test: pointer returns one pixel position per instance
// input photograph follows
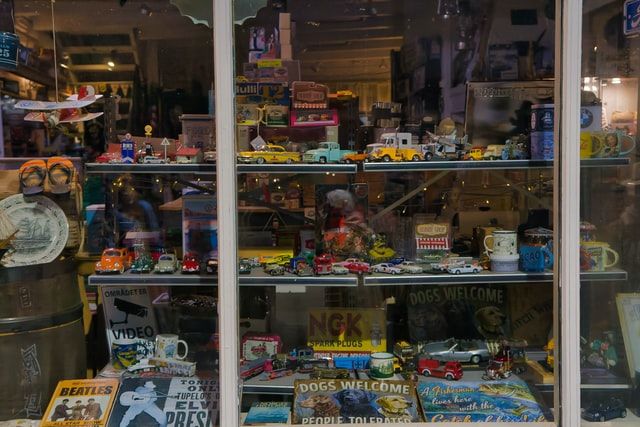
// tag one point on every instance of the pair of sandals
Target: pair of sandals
(59, 171)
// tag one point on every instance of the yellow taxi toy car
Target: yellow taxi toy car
(270, 154)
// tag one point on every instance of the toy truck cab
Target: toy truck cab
(448, 370)
(327, 152)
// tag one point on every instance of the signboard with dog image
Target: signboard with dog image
(464, 312)
(167, 402)
(354, 401)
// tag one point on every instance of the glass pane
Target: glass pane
(395, 192)
(110, 103)
(608, 199)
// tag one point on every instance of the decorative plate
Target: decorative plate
(43, 230)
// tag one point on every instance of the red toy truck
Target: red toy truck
(448, 370)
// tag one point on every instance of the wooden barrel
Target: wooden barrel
(41, 336)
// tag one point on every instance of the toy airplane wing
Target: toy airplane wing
(70, 118)
(48, 106)
(86, 96)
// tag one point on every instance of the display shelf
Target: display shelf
(138, 168)
(481, 164)
(297, 168)
(257, 278)
(484, 277)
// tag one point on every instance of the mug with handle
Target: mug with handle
(504, 243)
(591, 143)
(535, 258)
(167, 347)
(597, 256)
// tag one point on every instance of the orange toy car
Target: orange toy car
(114, 260)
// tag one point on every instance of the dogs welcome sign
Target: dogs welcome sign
(352, 401)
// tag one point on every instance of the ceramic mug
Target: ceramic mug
(167, 347)
(381, 365)
(127, 352)
(616, 144)
(590, 144)
(535, 258)
(597, 256)
(504, 243)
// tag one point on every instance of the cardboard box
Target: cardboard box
(285, 36)
(286, 51)
(284, 21)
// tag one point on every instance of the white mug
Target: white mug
(167, 347)
(505, 243)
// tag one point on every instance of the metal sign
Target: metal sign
(8, 51)
(631, 17)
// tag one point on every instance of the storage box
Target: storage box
(284, 22)
(254, 346)
(198, 131)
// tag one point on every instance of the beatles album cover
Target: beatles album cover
(81, 403)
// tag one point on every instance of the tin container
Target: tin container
(542, 131)
(381, 366)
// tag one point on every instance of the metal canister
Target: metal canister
(542, 132)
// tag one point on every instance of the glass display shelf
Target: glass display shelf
(482, 164)
(141, 168)
(484, 277)
(259, 278)
(351, 168)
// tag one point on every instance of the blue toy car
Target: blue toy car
(605, 410)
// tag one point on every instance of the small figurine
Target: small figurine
(447, 370)
(114, 260)
(167, 263)
(380, 252)
(190, 264)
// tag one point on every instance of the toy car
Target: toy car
(397, 260)
(355, 266)
(497, 370)
(209, 156)
(329, 373)
(448, 370)
(410, 267)
(602, 411)
(475, 153)
(167, 263)
(473, 351)
(142, 264)
(274, 269)
(464, 269)
(355, 158)
(322, 264)
(114, 260)
(386, 268)
(338, 269)
(190, 264)
(270, 154)
(211, 266)
(449, 261)
(244, 267)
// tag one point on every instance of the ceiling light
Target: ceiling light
(616, 80)
(111, 64)
(65, 66)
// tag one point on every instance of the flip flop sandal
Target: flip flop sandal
(61, 174)
(32, 174)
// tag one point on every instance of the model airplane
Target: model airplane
(86, 96)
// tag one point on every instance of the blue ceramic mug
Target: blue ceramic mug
(535, 258)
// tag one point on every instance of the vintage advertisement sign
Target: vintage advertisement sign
(631, 17)
(347, 329)
(8, 51)
(81, 403)
(464, 312)
(351, 401)
(169, 402)
(128, 313)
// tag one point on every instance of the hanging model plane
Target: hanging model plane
(67, 111)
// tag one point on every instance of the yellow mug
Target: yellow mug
(591, 143)
(597, 256)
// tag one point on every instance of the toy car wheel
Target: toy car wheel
(448, 377)
(428, 156)
(122, 269)
(260, 160)
(426, 372)
(323, 160)
(623, 414)
(288, 161)
(477, 270)
(348, 161)
(415, 158)
(386, 159)
(475, 359)
(456, 272)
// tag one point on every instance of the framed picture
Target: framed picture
(629, 312)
